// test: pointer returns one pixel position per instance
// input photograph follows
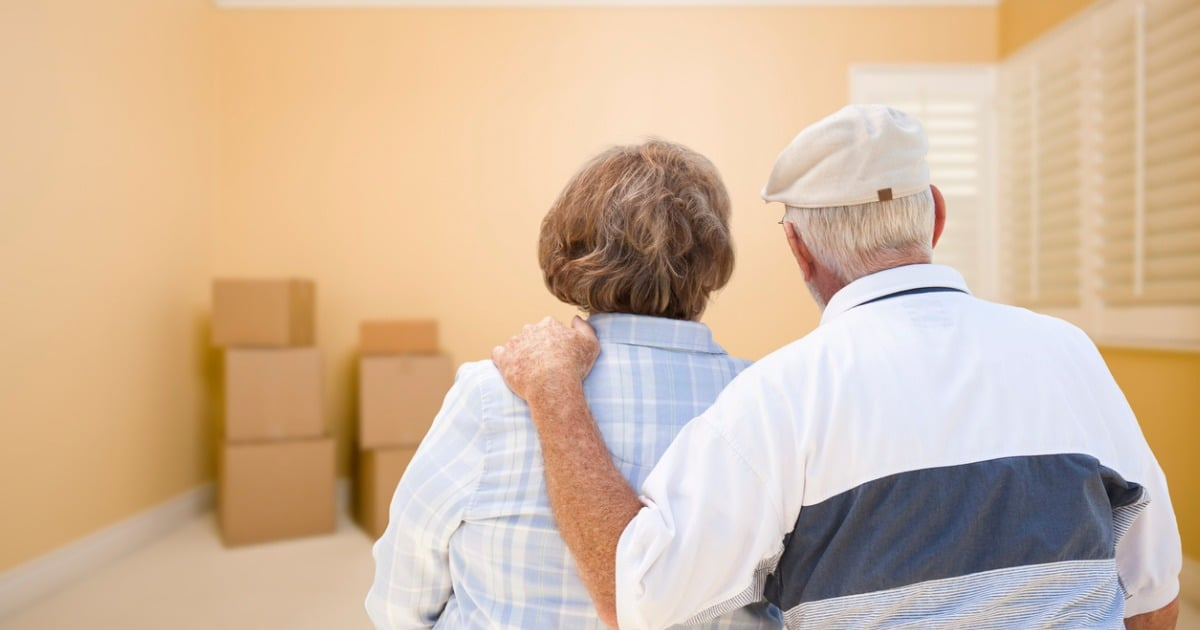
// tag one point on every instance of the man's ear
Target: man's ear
(799, 251)
(939, 213)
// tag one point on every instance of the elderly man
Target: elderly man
(922, 459)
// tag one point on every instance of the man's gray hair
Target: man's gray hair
(854, 241)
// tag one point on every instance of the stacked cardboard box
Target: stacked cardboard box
(275, 465)
(402, 382)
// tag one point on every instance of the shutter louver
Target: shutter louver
(1056, 210)
(1041, 178)
(1016, 142)
(1117, 56)
(1170, 265)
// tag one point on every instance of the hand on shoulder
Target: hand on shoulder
(548, 359)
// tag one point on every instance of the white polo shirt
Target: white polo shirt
(927, 458)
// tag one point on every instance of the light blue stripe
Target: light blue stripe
(1080, 594)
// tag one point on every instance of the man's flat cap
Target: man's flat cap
(859, 154)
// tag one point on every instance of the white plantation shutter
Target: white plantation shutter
(1117, 158)
(1148, 71)
(1170, 266)
(1017, 183)
(1056, 210)
(955, 105)
(1110, 104)
(1040, 225)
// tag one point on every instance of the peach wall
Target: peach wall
(404, 157)
(106, 186)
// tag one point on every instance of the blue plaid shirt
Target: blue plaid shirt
(471, 541)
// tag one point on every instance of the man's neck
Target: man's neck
(828, 284)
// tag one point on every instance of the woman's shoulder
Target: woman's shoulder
(739, 363)
(481, 373)
(481, 378)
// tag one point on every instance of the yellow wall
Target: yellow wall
(1022, 21)
(1162, 387)
(405, 158)
(1164, 390)
(107, 165)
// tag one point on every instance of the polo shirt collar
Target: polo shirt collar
(888, 281)
(655, 332)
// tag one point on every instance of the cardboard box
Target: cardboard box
(275, 490)
(399, 397)
(263, 313)
(379, 470)
(398, 336)
(273, 394)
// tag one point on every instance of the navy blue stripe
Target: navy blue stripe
(952, 521)
(916, 291)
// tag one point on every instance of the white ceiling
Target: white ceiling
(235, 4)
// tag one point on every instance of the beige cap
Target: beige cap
(859, 154)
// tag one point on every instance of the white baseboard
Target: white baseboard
(22, 585)
(1189, 582)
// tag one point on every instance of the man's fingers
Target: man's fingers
(580, 324)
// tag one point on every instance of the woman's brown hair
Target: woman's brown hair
(641, 229)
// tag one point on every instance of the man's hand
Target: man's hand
(547, 359)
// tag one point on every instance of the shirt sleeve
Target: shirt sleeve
(412, 573)
(713, 520)
(1149, 553)
(1149, 557)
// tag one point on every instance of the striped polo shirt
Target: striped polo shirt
(923, 459)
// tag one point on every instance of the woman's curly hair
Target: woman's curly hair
(641, 229)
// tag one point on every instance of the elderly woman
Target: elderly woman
(639, 239)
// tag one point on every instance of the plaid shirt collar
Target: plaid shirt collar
(654, 332)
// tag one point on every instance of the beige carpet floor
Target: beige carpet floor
(187, 580)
